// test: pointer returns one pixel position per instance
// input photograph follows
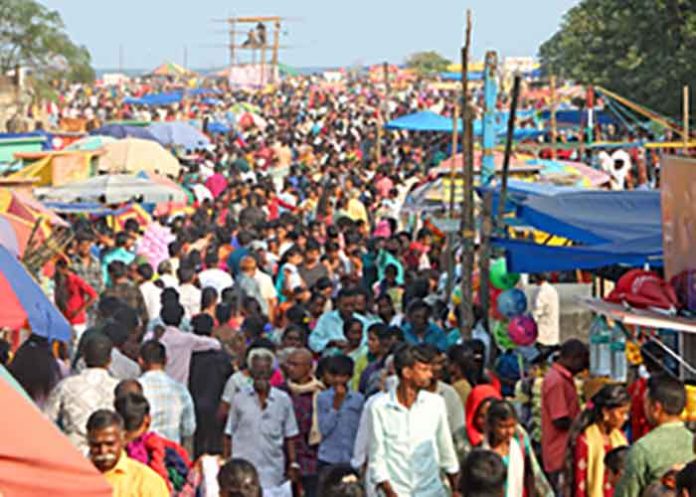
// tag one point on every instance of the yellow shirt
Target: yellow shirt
(129, 478)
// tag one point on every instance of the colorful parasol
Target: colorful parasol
(25, 304)
(37, 459)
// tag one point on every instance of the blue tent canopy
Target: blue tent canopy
(577, 117)
(613, 228)
(528, 257)
(457, 76)
(156, 99)
(430, 121)
(179, 134)
(121, 131)
(422, 121)
(596, 216)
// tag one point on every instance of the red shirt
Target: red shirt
(639, 422)
(78, 293)
(559, 400)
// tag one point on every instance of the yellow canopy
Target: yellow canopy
(132, 155)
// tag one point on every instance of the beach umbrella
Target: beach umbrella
(15, 233)
(178, 134)
(89, 143)
(113, 189)
(23, 302)
(37, 459)
(120, 131)
(133, 155)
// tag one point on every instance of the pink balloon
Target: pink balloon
(523, 330)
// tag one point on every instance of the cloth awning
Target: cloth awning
(608, 227)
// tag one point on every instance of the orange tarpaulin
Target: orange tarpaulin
(37, 459)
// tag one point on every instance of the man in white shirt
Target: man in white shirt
(151, 292)
(214, 276)
(189, 294)
(546, 312)
(410, 440)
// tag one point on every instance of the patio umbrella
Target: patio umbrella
(120, 131)
(23, 302)
(133, 155)
(37, 459)
(14, 233)
(178, 134)
(113, 189)
(91, 143)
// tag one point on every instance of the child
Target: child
(338, 410)
(615, 464)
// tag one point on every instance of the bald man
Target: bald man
(302, 387)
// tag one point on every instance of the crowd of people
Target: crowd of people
(299, 338)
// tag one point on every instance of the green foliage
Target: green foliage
(641, 49)
(427, 62)
(33, 36)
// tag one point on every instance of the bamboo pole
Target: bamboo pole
(508, 151)
(552, 84)
(487, 216)
(466, 318)
(453, 161)
(686, 118)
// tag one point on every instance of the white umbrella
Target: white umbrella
(112, 189)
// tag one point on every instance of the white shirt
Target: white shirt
(216, 278)
(169, 281)
(266, 286)
(546, 312)
(190, 299)
(408, 447)
(151, 296)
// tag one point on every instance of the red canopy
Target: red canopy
(37, 459)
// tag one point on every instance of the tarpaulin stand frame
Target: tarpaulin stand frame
(651, 319)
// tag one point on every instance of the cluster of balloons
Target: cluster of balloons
(512, 325)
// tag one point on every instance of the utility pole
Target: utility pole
(552, 83)
(120, 57)
(185, 57)
(467, 227)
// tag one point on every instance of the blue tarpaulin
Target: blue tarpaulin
(457, 76)
(612, 227)
(121, 131)
(422, 121)
(430, 121)
(156, 99)
(578, 117)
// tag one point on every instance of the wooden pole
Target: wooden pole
(453, 160)
(552, 84)
(485, 253)
(232, 42)
(508, 151)
(686, 118)
(276, 44)
(466, 318)
(452, 176)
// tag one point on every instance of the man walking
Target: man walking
(410, 437)
(668, 446)
(261, 423)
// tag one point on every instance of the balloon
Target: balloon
(457, 295)
(500, 278)
(512, 302)
(522, 330)
(500, 334)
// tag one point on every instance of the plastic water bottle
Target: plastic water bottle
(619, 365)
(600, 348)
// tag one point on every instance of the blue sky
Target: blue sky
(319, 33)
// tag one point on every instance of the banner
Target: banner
(252, 75)
(678, 196)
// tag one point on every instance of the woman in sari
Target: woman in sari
(595, 433)
(506, 437)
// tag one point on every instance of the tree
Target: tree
(641, 49)
(427, 62)
(34, 37)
